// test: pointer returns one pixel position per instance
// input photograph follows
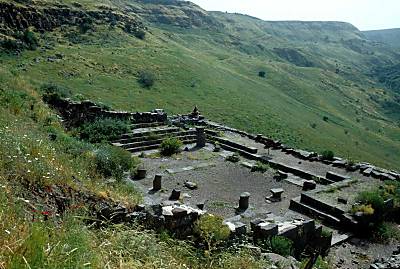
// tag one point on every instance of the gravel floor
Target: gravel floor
(358, 254)
(219, 185)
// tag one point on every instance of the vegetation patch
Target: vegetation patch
(170, 146)
(103, 130)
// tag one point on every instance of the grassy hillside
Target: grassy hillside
(389, 36)
(319, 91)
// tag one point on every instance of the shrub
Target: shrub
(260, 167)
(262, 74)
(235, 157)
(140, 34)
(103, 130)
(170, 146)
(30, 40)
(86, 25)
(280, 245)
(11, 45)
(313, 125)
(112, 161)
(211, 230)
(53, 92)
(328, 155)
(146, 78)
(374, 199)
(385, 232)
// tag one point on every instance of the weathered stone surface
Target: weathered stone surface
(190, 185)
(335, 176)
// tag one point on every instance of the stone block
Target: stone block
(309, 185)
(336, 177)
(141, 173)
(268, 229)
(175, 195)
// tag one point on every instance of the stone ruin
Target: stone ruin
(297, 191)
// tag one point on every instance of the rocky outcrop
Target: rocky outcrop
(177, 13)
(47, 18)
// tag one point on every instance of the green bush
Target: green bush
(146, 78)
(86, 25)
(112, 161)
(235, 157)
(53, 92)
(211, 230)
(11, 44)
(170, 146)
(328, 155)
(262, 74)
(280, 245)
(103, 130)
(385, 232)
(30, 40)
(374, 199)
(140, 34)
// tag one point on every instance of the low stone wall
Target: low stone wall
(76, 113)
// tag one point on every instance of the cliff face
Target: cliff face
(176, 13)
(47, 18)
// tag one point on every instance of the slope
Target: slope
(318, 93)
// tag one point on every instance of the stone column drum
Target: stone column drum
(157, 182)
(244, 201)
(200, 137)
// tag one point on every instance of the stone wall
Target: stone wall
(76, 113)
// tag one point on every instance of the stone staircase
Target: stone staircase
(329, 214)
(149, 136)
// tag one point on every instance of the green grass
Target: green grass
(203, 67)
(34, 236)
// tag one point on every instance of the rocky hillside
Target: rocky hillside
(314, 85)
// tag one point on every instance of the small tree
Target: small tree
(140, 34)
(146, 78)
(262, 74)
(212, 231)
(30, 40)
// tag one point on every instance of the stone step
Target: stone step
(298, 206)
(156, 146)
(147, 132)
(338, 239)
(152, 136)
(147, 125)
(321, 206)
(150, 142)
